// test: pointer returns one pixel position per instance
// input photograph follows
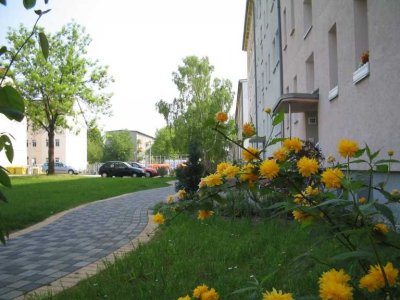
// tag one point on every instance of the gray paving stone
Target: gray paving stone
(77, 239)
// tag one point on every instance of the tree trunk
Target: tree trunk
(51, 150)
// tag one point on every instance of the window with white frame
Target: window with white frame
(307, 16)
(57, 142)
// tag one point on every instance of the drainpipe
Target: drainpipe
(281, 59)
(255, 62)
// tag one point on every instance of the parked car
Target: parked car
(150, 172)
(59, 168)
(120, 169)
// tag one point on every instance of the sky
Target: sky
(143, 42)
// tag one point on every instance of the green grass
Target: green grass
(34, 198)
(220, 253)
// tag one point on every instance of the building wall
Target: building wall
(241, 116)
(368, 110)
(17, 134)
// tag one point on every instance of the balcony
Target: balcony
(297, 102)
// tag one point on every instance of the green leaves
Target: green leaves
(5, 143)
(4, 179)
(4, 2)
(3, 50)
(278, 118)
(44, 45)
(28, 4)
(11, 103)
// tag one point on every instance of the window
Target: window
(33, 143)
(333, 63)
(307, 16)
(47, 142)
(360, 30)
(57, 142)
(284, 30)
(292, 20)
(312, 120)
(57, 159)
(310, 73)
(295, 84)
(27, 144)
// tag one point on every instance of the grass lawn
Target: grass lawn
(34, 198)
(220, 253)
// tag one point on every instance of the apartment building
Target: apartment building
(242, 116)
(70, 148)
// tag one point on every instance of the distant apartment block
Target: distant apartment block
(242, 116)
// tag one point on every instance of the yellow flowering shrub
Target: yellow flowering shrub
(221, 116)
(332, 178)
(347, 148)
(269, 168)
(334, 284)
(250, 154)
(375, 280)
(307, 166)
(159, 218)
(277, 295)
(248, 129)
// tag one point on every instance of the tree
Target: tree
(95, 144)
(59, 89)
(192, 113)
(163, 142)
(118, 146)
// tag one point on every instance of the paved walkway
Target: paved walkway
(75, 240)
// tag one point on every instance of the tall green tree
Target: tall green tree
(163, 142)
(95, 145)
(59, 88)
(192, 113)
(118, 146)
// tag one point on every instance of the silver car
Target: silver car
(59, 168)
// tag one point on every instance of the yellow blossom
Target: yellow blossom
(310, 191)
(390, 152)
(181, 194)
(222, 166)
(184, 298)
(293, 144)
(202, 183)
(334, 284)
(250, 154)
(347, 148)
(307, 166)
(269, 168)
(374, 280)
(299, 216)
(170, 199)
(332, 178)
(213, 180)
(231, 171)
(299, 199)
(247, 174)
(268, 110)
(199, 290)
(210, 295)
(159, 218)
(204, 214)
(221, 116)
(362, 200)
(248, 129)
(381, 228)
(277, 295)
(280, 154)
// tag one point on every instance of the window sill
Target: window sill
(361, 73)
(307, 32)
(333, 93)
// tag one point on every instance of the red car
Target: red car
(150, 172)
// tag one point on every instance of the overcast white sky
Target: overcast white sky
(143, 42)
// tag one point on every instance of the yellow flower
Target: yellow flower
(301, 216)
(269, 168)
(395, 193)
(250, 154)
(381, 228)
(181, 194)
(362, 200)
(202, 183)
(210, 295)
(310, 191)
(268, 110)
(307, 166)
(170, 199)
(332, 178)
(347, 148)
(280, 154)
(231, 171)
(293, 144)
(390, 152)
(204, 214)
(200, 290)
(248, 129)
(184, 298)
(247, 174)
(334, 284)
(299, 199)
(213, 180)
(222, 166)
(277, 295)
(159, 218)
(221, 116)
(374, 280)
